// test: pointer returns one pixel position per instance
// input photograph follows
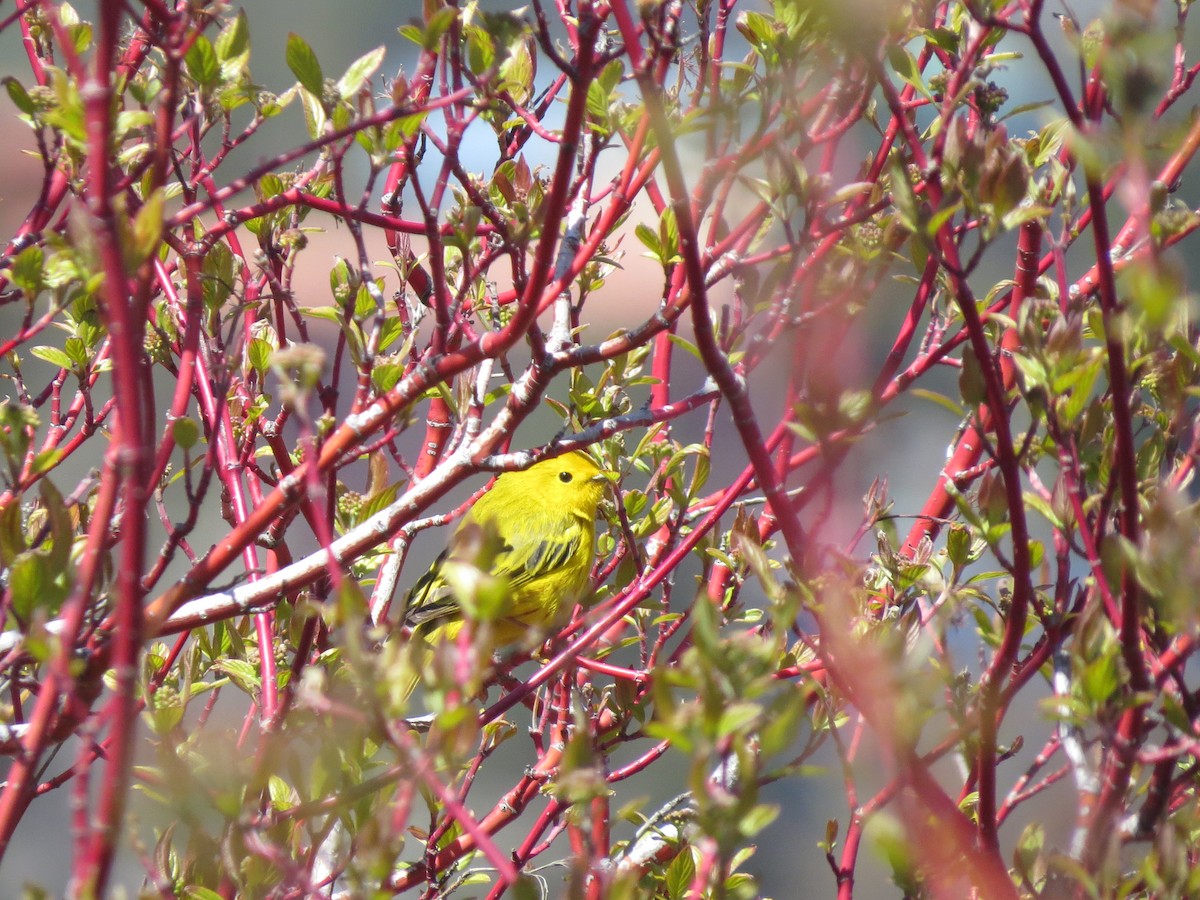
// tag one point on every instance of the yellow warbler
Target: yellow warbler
(531, 537)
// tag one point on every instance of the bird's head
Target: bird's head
(571, 481)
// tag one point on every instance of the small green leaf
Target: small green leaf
(906, 67)
(437, 25)
(343, 282)
(77, 350)
(304, 65)
(165, 710)
(147, 231)
(81, 37)
(315, 117)
(1037, 502)
(958, 545)
(19, 96)
(971, 384)
(12, 535)
(194, 892)
(379, 501)
(358, 73)
(46, 460)
(242, 673)
(259, 354)
(28, 270)
(668, 235)
(1028, 851)
(680, 874)
(282, 795)
(1100, 679)
(649, 238)
(757, 819)
(270, 185)
(185, 432)
(328, 313)
(364, 303)
(234, 40)
(35, 585)
(54, 356)
(201, 63)
(217, 270)
(941, 400)
(944, 38)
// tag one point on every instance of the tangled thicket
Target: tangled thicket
(720, 245)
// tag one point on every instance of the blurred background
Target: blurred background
(908, 450)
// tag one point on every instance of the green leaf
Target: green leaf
(437, 25)
(1100, 679)
(185, 432)
(680, 874)
(481, 50)
(12, 535)
(217, 271)
(28, 269)
(242, 673)
(1037, 502)
(906, 67)
(147, 231)
(958, 545)
(343, 282)
(54, 356)
(737, 717)
(61, 534)
(758, 29)
(944, 38)
(391, 330)
(77, 351)
(402, 129)
(259, 354)
(385, 377)
(314, 114)
(133, 120)
(81, 37)
(201, 63)
(358, 73)
(971, 384)
(270, 185)
(649, 238)
(1029, 849)
(47, 460)
(941, 400)
(757, 819)
(35, 584)
(19, 96)
(304, 65)
(516, 73)
(668, 236)
(1026, 108)
(364, 302)
(233, 42)
(165, 711)
(328, 313)
(282, 795)
(379, 501)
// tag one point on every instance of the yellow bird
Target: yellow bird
(528, 543)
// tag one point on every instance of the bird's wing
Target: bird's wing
(431, 597)
(546, 556)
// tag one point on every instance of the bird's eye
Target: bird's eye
(565, 477)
